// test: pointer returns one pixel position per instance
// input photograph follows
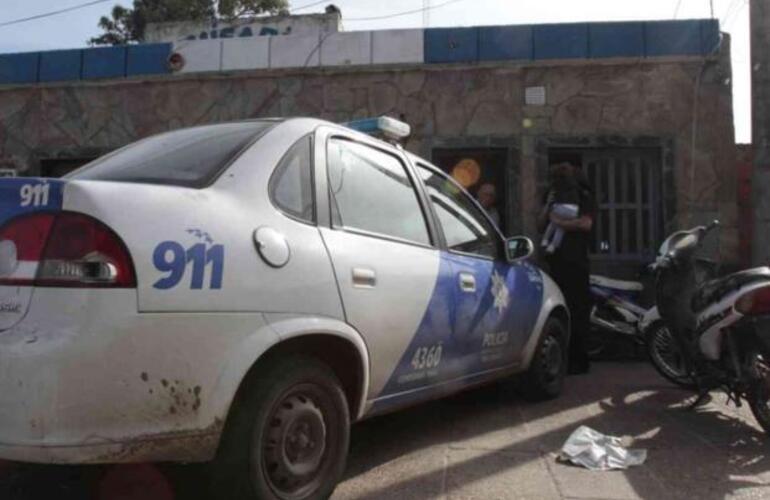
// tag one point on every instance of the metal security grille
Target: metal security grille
(626, 186)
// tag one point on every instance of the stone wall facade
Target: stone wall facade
(681, 106)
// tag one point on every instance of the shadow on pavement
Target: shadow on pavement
(447, 446)
(710, 453)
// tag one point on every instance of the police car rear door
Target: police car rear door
(389, 271)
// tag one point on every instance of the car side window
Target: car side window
(370, 190)
(465, 227)
(291, 186)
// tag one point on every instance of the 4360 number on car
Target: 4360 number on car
(427, 357)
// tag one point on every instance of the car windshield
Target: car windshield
(191, 157)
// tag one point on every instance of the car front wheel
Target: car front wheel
(287, 437)
(545, 377)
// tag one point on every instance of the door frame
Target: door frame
(665, 144)
(514, 222)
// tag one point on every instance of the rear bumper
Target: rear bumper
(84, 378)
(186, 447)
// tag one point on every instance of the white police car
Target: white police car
(242, 292)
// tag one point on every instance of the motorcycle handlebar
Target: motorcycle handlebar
(674, 254)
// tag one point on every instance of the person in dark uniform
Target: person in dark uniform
(569, 263)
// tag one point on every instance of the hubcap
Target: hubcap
(295, 444)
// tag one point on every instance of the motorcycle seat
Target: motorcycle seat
(713, 290)
(621, 285)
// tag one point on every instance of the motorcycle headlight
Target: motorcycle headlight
(754, 303)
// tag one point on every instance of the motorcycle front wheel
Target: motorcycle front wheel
(666, 356)
(759, 401)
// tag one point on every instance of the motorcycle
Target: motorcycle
(616, 312)
(718, 326)
(662, 349)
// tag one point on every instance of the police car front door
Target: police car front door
(495, 303)
(389, 272)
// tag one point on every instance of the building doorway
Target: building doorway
(626, 184)
(476, 167)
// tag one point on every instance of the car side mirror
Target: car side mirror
(519, 248)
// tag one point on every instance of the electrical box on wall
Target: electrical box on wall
(534, 96)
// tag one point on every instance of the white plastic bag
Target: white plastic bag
(595, 451)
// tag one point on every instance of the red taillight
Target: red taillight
(63, 250)
(754, 303)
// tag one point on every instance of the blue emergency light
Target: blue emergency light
(384, 125)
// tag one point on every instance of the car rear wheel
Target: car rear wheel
(545, 377)
(287, 437)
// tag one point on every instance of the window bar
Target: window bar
(611, 208)
(652, 213)
(642, 249)
(625, 214)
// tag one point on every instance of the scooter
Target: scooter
(719, 326)
(616, 312)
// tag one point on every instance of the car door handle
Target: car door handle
(364, 278)
(467, 283)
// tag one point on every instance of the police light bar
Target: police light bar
(384, 125)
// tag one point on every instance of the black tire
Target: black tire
(665, 356)
(545, 377)
(297, 403)
(759, 401)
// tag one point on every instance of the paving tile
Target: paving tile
(718, 425)
(577, 482)
(496, 427)
(482, 474)
(759, 492)
(416, 475)
(705, 472)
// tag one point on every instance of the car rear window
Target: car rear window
(191, 157)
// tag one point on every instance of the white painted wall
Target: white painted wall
(245, 53)
(354, 48)
(200, 55)
(294, 51)
(347, 49)
(310, 24)
(397, 46)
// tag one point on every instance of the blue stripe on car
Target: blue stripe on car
(21, 195)
(469, 327)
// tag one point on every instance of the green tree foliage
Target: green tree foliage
(236, 9)
(128, 25)
(118, 29)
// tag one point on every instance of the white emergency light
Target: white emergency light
(384, 125)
